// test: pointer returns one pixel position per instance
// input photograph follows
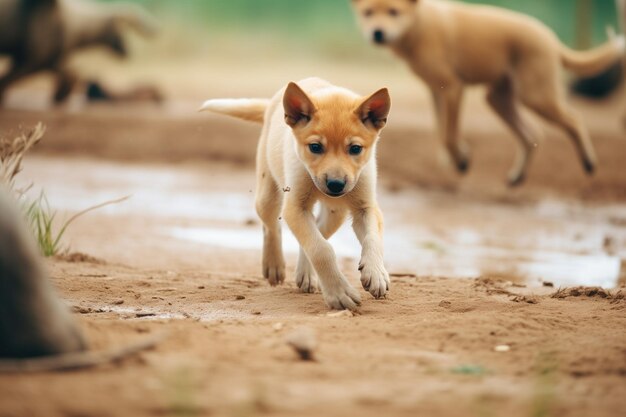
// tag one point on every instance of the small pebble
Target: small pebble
(343, 313)
(502, 348)
(81, 310)
(304, 343)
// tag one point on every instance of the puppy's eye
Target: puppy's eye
(316, 148)
(356, 150)
(393, 12)
(368, 13)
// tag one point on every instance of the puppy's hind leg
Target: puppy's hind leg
(328, 222)
(269, 201)
(501, 98)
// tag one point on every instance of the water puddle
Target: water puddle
(344, 244)
(206, 315)
(456, 259)
(427, 233)
(155, 191)
(553, 242)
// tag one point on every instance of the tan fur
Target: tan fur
(450, 45)
(252, 110)
(291, 179)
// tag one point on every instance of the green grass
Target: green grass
(38, 214)
(42, 220)
(310, 20)
(545, 397)
(472, 370)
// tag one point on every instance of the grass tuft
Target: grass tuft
(41, 219)
(38, 213)
(12, 153)
(473, 370)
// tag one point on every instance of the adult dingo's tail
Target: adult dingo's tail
(594, 61)
(247, 109)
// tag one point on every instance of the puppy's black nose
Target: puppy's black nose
(379, 36)
(335, 186)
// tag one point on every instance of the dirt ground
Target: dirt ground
(485, 315)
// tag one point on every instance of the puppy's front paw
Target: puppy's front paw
(306, 279)
(274, 270)
(342, 296)
(275, 275)
(374, 277)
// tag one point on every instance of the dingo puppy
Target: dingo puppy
(318, 144)
(450, 45)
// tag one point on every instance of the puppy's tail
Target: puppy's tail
(594, 61)
(249, 109)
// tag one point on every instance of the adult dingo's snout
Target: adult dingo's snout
(379, 37)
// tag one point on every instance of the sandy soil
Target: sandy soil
(429, 348)
(475, 324)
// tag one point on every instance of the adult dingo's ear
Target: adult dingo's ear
(375, 109)
(298, 106)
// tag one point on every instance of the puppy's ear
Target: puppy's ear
(298, 106)
(375, 109)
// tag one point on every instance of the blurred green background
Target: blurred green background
(577, 22)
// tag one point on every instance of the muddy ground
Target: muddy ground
(481, 319)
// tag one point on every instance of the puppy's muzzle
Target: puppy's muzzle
(335, 187)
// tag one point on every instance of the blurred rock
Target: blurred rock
(304, 342)
(33, 320)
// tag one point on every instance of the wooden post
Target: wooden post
(621, 15)
(584, 10)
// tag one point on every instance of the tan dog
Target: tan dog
(318, 144)
(450, 45)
